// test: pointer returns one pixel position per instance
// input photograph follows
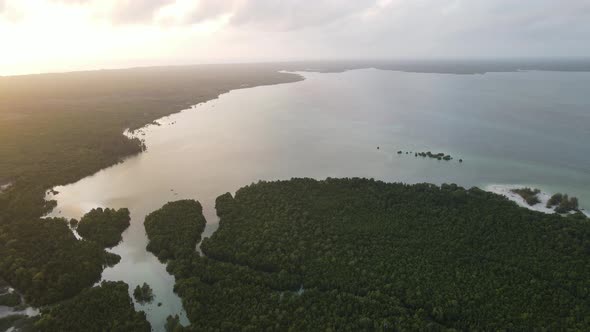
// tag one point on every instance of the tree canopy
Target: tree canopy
(143, 293)
(107, 307)
(44, 261)
(358, 254)
(104, 226)
(175, 229)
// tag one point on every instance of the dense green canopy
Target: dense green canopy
(107, 307)
(143, 293)
(46, 262)
(175, 229)
(104, 226)
(357, 254)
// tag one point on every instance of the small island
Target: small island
(438, 156)
(175, 229)
(143, 294)
(103, 226)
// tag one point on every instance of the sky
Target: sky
(64, 35)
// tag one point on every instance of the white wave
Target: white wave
(506, 191)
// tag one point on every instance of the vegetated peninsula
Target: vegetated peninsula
(175, 229)
(104, 226)
(358, 254)
(107, 307)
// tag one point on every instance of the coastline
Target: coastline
(163, 121)
(506, 191)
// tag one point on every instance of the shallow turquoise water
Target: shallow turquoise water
(529, 128)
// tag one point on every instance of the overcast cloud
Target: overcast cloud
(184, 31)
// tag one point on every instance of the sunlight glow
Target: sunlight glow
(40, 36)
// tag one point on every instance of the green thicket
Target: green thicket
(44, 260)
(143, 293)
(563, 203)
(107, 307)
(10, 299)
(175, 229)
(529, 195)
(356, 254)
(104, 226)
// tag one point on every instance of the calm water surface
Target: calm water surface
(529, 128)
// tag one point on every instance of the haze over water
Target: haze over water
(525, 128)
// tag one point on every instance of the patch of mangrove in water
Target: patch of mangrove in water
(438, 156)
(103, 226)
(143, 294)
(175, 229)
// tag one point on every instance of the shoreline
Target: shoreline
(458, 66)
(164, 120)
(506, 191)
(132, 132)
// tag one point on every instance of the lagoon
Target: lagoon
(516, 128)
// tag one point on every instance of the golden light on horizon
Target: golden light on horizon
(40, 36)
(66, 35)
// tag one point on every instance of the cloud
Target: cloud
(293, 14)
(207, 10)
(262, 14)
(136, 11)
(189, 31)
